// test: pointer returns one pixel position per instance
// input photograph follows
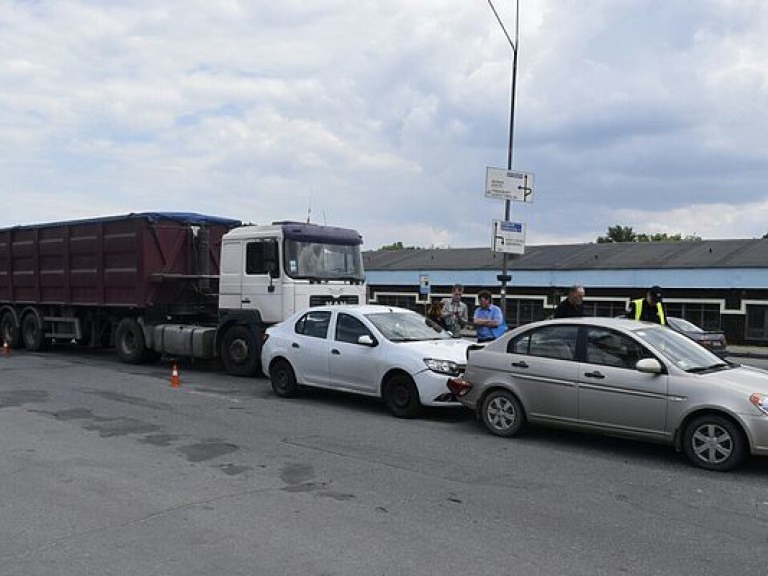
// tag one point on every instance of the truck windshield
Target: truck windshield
(322, 261)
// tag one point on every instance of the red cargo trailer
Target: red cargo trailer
(168, 282)
(148, 264)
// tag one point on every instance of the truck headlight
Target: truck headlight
(442, 366)
(760, 401)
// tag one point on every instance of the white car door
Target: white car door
(613, 394)
(309, 347)
(353, 366)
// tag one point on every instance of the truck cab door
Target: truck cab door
(261, 285)
(231, 275)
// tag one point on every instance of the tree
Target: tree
(398, 246)
(620, 233)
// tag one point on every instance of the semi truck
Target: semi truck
(173, 283)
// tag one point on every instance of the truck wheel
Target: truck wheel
(129, 341)
(9, 332)
(240, 352)
(32, 333)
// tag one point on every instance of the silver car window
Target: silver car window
(610, 348)
(549, 342)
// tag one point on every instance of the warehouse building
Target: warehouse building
(717, 284)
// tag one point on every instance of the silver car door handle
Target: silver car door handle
(594, 374)
(519, 364)
(294, 345)
(335, 351)
(246, 300)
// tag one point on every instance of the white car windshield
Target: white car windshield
(681, 350)
(406, 327)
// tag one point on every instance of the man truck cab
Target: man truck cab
(279, 269)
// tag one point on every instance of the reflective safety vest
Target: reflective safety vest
(639, 309)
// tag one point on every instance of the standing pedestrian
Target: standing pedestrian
(573, 305)
(649, 308)
(488, 318)
(455, 312)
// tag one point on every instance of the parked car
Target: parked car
(619, 377)
(714, 340)
(382, 351)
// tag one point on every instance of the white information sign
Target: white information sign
(508, 237)
(508, 185)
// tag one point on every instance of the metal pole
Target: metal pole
(505, 277)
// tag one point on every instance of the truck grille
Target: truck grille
(330, 299)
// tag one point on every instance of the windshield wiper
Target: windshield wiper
(718, 366)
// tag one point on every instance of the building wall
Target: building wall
(734, 301)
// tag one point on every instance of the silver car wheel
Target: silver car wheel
(502, 413)
(712, 443)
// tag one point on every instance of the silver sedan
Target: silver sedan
(620, 377)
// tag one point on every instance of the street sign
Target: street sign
(424, 285)
(508, 185)
(508, 237)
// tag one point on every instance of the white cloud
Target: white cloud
(384, 115)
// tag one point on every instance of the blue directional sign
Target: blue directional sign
(508, 237)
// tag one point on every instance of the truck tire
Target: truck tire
(240, 352)
(129, 341)
(33, 333)
(9, 331)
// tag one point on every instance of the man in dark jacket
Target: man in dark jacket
(573, 305)
(649, 308)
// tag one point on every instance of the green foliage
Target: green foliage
(620, 233)
(398, 246)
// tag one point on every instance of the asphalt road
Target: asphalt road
(108, 470)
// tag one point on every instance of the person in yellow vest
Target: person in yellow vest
(649, 308)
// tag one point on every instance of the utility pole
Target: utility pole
(505, 277)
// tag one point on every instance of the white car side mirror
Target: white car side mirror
(366, 340)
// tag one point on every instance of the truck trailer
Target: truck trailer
(174, 283)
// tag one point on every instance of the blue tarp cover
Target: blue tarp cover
(190, 218)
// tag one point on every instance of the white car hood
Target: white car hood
(454, 350)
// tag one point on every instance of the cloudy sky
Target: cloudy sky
(382, 115)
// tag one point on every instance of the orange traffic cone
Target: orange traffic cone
(6, 348)
(175, 380)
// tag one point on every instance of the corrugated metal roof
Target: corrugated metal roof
(610, 256)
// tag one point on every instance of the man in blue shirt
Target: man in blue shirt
(488, 319)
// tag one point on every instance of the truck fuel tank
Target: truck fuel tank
(184, 340)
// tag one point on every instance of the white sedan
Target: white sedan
(381, 351)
